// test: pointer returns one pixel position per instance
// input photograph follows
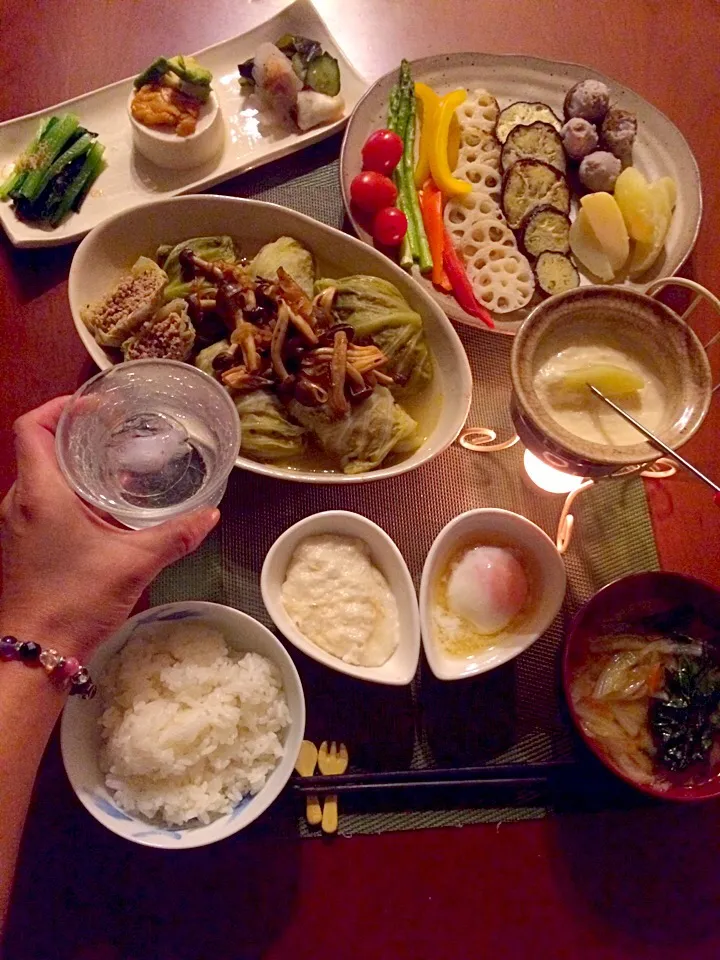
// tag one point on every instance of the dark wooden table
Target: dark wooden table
(641, 883)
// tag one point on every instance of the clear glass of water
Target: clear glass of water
(148, 440)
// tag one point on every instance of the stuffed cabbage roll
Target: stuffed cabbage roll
(376, 308)
(209, 248)
(361, 440)
(292, 256)
(266, 431)
(204, 359)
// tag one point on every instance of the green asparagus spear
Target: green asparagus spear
(404, 201)
(411, 196)
(392, 109)
(406, 257)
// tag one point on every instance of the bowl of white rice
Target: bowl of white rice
(195, 730)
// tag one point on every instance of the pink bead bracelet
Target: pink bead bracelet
(65, 670)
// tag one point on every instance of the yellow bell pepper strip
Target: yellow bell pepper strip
(439, 166)
(461, 286)
(429, 101)
(432, 211)
(453, 142)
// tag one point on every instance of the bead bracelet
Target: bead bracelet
(65, 670)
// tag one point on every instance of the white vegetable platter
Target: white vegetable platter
(660, 149)
(252, 136)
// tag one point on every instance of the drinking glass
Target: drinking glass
(148, 440)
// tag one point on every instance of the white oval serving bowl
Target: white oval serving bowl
(80, 733)
(111, 248)
(166, 149)
(401, 666)
(549, 588)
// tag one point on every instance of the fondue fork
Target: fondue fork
(658, 443)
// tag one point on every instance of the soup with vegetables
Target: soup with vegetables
(651, 699)
(326, 374)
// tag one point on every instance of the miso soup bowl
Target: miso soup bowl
(109, 251)
(614, 609)
(637, 323)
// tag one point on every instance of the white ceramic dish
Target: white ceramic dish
(252, 138)
(548, 582)
(172, 152)
(109, 251)
(660, 148)
(80, 737)
(401, 667)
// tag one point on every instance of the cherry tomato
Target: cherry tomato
(372, 191)
(389, 227)
(382, 151)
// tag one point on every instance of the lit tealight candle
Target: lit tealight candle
(548, 478)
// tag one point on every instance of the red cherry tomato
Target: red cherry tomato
(389, 227)
(382, 151)
(372, 191)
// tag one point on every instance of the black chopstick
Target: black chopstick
(512, 775)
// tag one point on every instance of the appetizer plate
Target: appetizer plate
(252, 136)
(401, 667)
(111, 249)
(614, 609)
(80, 734)
(660, 149)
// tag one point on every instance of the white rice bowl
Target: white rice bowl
(188, 730)
(195, 730)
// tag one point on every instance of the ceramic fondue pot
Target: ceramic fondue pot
(644, 328)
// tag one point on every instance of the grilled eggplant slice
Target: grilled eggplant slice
(556, 273)
(532, 183)
(534, 141)
(546, 228)
(525, 113)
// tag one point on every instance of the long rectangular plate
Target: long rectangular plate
(252, 138)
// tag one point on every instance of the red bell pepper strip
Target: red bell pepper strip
(461, 286)
(431, 205)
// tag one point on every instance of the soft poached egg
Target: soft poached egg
(488, 587)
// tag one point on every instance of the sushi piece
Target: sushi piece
(275, 78)
(315, 108)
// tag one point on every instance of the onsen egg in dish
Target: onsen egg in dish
(481, 592)
(488, 587)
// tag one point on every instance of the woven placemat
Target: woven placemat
(513, 714)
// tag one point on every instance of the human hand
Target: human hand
(70, 578)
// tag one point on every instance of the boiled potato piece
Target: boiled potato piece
(586, 248)
(608, 225)
(645, 254)
(632, 195)
(670, 187)
(661, 198)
